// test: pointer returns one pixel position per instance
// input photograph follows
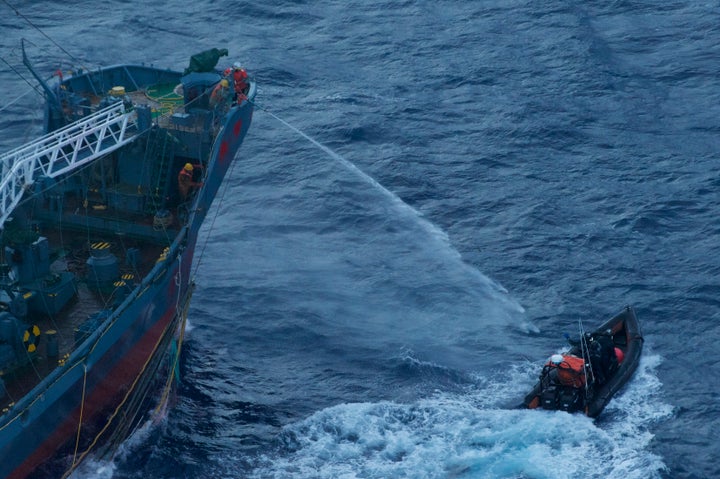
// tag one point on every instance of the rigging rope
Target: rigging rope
(117, 410)
(226, 185)
(80, 421)
(17, 12)
(25, 80)
(11, 103)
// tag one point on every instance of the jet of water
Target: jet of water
(499, 293)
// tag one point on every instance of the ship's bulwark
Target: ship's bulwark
(107, 381)
(100, 388)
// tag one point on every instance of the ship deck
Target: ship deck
(76, 215)
(70, 250)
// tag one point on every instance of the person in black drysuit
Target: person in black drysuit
(601, 352)
(602, 356)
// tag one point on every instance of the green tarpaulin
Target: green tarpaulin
(205, 61)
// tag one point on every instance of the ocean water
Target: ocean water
(430, 195)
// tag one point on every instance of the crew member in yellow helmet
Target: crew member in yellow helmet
(220, 94)
(186, 181)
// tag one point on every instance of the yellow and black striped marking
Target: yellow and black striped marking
(31, 338)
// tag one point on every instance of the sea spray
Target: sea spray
(498, 293)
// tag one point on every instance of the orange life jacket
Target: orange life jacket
(571, 371)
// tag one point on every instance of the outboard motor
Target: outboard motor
(562, 382)
(569, 399)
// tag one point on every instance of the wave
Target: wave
(470, 435)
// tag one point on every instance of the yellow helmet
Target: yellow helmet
(224, 83)
(188, 167)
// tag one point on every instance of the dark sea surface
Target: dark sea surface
(431, 193)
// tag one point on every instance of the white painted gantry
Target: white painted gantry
(62, 151)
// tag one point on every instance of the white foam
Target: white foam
(94, 468)
(466, 435)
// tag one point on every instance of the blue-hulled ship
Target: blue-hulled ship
(97, 242)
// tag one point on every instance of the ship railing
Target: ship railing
(62, 151)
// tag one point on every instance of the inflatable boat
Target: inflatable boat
(597, 365)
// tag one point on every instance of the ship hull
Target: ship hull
(99, 390)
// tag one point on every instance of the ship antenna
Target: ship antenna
(585, 350)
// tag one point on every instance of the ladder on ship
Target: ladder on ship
(62, 151)
(161, 145)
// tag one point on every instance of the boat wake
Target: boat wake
(468, 435)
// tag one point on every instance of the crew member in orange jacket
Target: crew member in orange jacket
(219, 94)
